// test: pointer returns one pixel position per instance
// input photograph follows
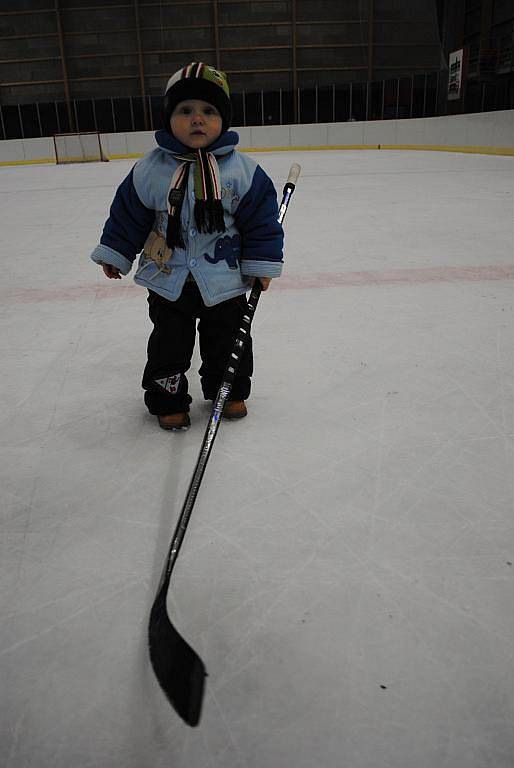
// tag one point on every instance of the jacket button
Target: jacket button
(192, 231)
(193, 263)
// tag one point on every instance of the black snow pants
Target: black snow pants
(171, 345)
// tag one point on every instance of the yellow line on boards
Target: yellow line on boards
(320, 148)
(128, 156)
(420, 147)
(476, 150)
(448, 148)
(39, 161)
(309, 148)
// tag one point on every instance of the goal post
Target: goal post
(79, 147)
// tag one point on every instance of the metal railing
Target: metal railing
(407, 97)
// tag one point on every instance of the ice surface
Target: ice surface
(348, 573)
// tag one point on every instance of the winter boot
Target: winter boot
(174, 421)
(235, 409)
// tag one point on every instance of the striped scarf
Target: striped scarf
(208, 210)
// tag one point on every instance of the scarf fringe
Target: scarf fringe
(174, 235)
(209, 216)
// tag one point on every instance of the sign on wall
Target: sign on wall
(455, 74)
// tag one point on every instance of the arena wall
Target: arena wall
(483, 133)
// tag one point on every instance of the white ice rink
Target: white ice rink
(347, 576)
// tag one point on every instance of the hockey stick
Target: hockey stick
(179, 670)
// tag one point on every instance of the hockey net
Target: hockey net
(78, 148)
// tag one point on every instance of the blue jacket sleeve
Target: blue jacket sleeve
(126, 229)
(262, 237)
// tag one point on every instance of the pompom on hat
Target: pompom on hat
(198, 81)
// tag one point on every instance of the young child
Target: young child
(204, 219)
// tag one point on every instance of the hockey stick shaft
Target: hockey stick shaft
(221, 398)
(178, 668)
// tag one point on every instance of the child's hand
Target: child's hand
(113, 273)
(264, 281)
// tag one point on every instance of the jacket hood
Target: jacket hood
(222, 146)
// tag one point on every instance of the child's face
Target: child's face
(195, 123)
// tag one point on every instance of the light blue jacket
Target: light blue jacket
(220, 263)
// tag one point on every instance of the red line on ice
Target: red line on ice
(397, 276)
(287, 282)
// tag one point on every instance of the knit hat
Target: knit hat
(198, 81)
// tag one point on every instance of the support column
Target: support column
(294, 61)
(488, 56)
(66, 83)
(371, 21)
(141, 63)
(216, 26)
(486, 23)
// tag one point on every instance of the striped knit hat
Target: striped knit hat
(198, 81)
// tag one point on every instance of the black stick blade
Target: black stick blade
(179, 670)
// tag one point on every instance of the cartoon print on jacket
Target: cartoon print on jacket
(228, 248)
(156, 250)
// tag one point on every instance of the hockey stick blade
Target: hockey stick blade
(179, 670)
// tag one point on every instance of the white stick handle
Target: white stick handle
(294, 172)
